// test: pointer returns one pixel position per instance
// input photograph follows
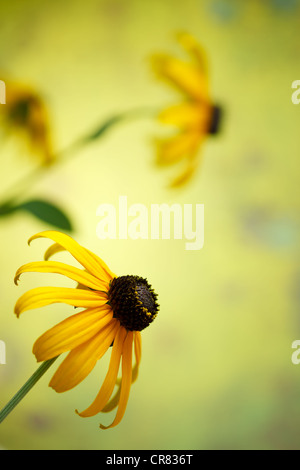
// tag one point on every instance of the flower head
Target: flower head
(25, 113)
(196, 117)
(116, 310)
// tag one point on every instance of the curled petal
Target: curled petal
(87, 259)
(113, 403)
(126, 380)
(76, 274)
(52, 250)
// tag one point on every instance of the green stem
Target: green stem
(26, 388)
(21, 186)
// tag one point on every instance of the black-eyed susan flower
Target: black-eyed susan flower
(115, 311)
(196, 117)
(25, 114)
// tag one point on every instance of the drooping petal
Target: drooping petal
(76, 274)
(81, 360)
(41, 296)
(178, 147)
(138, 354)
(126, 380)
(56, 248)
(188, 78)
(111, 376)
(113, 403)
(71, 332)
(190, 169)
(88, 260)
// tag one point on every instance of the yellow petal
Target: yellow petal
(111, 376)
(187, 174)
(71, 332)
(113, 403)
(126, 380)
(176, 148)
(188, 78)
(88, 260)
(195, 50)
(52, 250)
(81, 360)
(27, 114)
(41, 296)
(137, 351)
(192, 116)
(76, 274)
(101, 262)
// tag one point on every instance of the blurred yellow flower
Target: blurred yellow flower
(25, 113)
(196, 117)
(116, 310)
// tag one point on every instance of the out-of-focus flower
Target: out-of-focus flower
(116, 310)
(26, 114)
(196, 117)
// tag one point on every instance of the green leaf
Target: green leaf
(42, 210)
(47, 212)
(7, 208)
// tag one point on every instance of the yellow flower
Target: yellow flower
(25, 113)
(116, 309)
(196, 117)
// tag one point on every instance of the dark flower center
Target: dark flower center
(133, 302)
(216, 118)
(20, 111)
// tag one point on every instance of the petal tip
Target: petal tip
(54, 387)
(39, 357)
(17, 311)
(30, 240)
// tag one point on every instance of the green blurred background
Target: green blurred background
(216, 368)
